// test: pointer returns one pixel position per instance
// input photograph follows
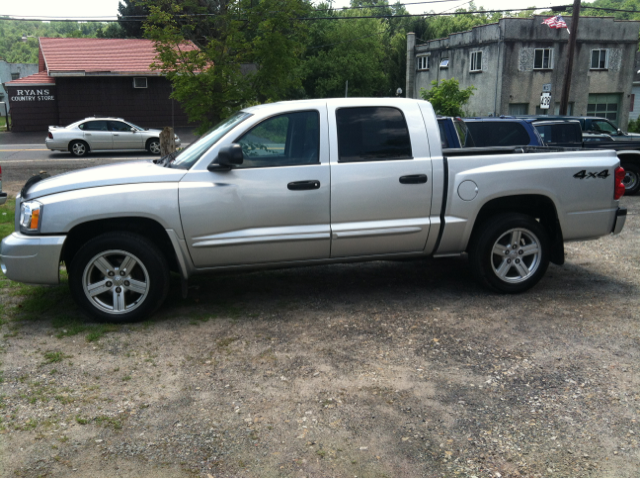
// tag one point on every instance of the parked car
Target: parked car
(492, 131)
(103, 134)
(589, 124)
(306, 183)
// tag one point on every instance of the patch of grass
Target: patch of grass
(107, 421)
(126, 378)
(83, 421)
(7, 217)
(54, 357)
(226, 342)
(71, 325)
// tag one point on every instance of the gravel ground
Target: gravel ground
(379, 369)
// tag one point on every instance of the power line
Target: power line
(111, 17)
(142, 17)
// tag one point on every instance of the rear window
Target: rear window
(560, 133)
(498, 133)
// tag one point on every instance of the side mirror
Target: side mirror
(227, 158)
(619, 131)
(133, 130)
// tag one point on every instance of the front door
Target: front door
(97, 134)
(274, 208)
(381, 180)
(124, 138)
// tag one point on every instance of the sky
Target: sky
(109, 8)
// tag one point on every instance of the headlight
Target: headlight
(30, 216)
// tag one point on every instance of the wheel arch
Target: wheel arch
(146, 227)
(540, 207)
(81, 140)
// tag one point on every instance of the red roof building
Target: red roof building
(81, 77)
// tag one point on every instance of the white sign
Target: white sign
(33, 95)
(545, 101)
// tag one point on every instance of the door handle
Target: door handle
(115, 134)
(87, 134)
(304, 185)
(413, 179)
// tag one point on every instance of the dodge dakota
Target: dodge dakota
(307, 183)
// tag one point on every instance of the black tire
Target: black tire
(108, 294)
(631, 179)
(519, 269)
(78, 148)
(153, 146)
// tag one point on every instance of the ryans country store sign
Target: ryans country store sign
(32, 95)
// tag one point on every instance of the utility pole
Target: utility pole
(566, 86)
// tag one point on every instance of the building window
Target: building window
(15, 76)
(444, 63)
(631, 103)
(140, 82)
(605, 106)
(599, 59)
(423, 62)
(518, 108)
(476, 61)
(556, 109)
(543, 59)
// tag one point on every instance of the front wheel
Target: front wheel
(631, 179)
(119, 277)
(153, 146)
(510, 254)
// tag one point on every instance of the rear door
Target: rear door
(381, 179)
(97, 134)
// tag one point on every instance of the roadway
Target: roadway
(23, 155)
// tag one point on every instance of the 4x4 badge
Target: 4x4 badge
(582, 174)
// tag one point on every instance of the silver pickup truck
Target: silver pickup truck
(308, 183)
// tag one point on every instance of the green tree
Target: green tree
(446, 97)
(247, 52)
(131, 15)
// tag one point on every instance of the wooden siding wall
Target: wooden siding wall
(33, 115)
(151, 107)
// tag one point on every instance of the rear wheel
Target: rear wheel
(153, 146)
(78, 148)
(631, 179)
(119, 277)
(510, 254)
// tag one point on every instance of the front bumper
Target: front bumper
(31, 259)
(621, 217)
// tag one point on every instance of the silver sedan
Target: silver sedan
(98, 134)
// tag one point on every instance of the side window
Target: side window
(498, 133)
(95, 126)
(118, 126)
(284, 140)
(443, 135)
(372, 134)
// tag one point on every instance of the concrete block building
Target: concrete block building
(512, 62)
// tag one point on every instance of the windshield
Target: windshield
(188, 157)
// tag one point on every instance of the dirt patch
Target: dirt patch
(380, 369)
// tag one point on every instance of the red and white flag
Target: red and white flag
(556, 22)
